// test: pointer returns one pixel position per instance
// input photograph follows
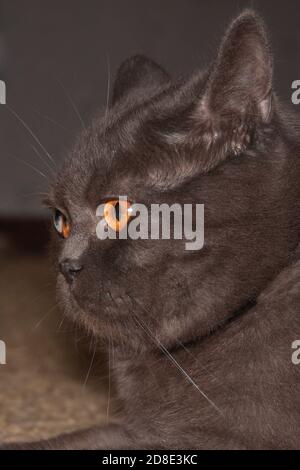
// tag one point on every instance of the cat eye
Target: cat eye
(61, 224)
(117, 214)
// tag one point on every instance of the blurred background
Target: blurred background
(58, 59)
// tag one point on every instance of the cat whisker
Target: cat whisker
(45, 316)
(107, 89)
(36, 298)
(48, 118)
(79, 338)
(72, 103)
(36, 170)
(61, 322)
(40, 194)
(26, 126)
(52, 170)
(172, 359)
(109, 379)
(202, 366)
(90, 368)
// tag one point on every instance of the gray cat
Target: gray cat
(201, 339)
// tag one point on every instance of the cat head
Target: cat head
(209, 139)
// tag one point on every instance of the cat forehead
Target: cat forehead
(105, 157)
(131, 137)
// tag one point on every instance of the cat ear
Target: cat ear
(138, 75)
(243, 70)
(238, 94)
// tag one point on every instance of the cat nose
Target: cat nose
(70, 269)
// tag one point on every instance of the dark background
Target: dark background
(56, 55)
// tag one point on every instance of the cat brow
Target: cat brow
(48, 202)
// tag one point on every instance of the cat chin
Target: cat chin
(89, 318)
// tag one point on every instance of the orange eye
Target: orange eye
(61, 224)
(117, 214)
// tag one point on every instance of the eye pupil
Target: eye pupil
(117, 210)
(57, 216)
(58, 222)
(61, 224)
(116, 214)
